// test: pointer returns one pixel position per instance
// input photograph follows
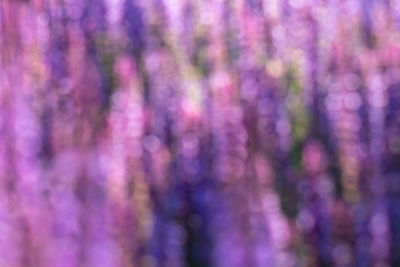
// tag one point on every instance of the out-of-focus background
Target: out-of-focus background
(226, 133)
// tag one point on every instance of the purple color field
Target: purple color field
(199, 133)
